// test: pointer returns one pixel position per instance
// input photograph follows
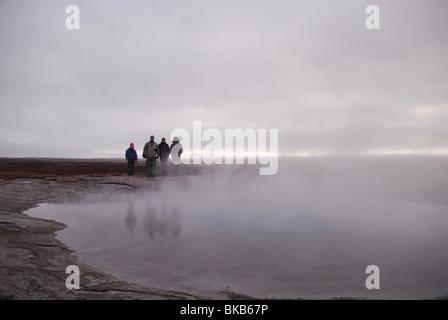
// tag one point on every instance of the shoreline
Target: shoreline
(33, 261)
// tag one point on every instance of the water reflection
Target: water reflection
(297, 234)
(175, 222)
(163, 220)
(131, 218)
(150, 224)
(155, 223)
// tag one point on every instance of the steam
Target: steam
(308, 231)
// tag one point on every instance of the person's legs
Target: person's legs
(148, 167)
(152, 169)
(163, 165)
(175, 169)
(130, 167)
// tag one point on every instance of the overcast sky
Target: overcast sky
(310, 69)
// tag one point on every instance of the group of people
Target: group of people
(153, 151)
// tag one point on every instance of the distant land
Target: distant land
(15, 168)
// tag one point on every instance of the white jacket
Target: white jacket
(175, 152)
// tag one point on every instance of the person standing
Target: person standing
(131, 156)
(164, 153)
(175, 152)
(150, 153)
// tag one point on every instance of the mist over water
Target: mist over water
(309, 231)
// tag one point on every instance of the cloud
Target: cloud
(310, 69)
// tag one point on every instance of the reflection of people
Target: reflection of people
(175, 223)
(164, 153)
(159, 223)
(130, 219)
(131, 156)
(150, 152)
(150, 223)
(163, 221)
(175, 152)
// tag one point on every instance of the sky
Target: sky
(310, 69)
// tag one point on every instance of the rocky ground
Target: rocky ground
(32, 261)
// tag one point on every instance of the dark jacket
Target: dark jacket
(131, 154)
(164, 151)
